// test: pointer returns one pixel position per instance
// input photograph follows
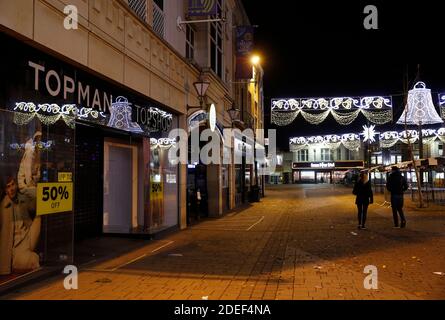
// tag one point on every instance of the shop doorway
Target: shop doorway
(197, 195)
(120, 188)
(323, 177)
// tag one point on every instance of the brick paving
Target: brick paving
(299, 243)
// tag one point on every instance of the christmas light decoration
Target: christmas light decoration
(369, 134)
(121, 113)
(420, 109)
(349, 141)
(163, 143)
(442, 105)
(44, 146)
(50, 113)
(391, 138)
(345, 110)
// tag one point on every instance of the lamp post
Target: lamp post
(201, 88)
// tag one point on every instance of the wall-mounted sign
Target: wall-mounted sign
(54, 90)
(323, 165)
(212, 117)
(54, 198)
(202, 7)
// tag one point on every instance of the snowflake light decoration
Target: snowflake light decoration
(369, 134)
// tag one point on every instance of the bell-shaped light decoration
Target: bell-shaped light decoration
(420, 109)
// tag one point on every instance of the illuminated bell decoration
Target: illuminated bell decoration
(420, 108)
(121, 116)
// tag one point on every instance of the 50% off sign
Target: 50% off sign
(54, 198)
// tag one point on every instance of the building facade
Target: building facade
(85, 116)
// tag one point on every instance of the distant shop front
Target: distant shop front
(323, 172)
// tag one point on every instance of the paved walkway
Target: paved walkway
(298, 243)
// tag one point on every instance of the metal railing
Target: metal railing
(158, 20)
(139, 7)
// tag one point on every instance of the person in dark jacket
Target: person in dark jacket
(365, 197)
(397, 185)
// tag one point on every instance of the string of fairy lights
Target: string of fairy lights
(345, 110)
(353, 142)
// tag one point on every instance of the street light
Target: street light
(233, 113)
(255, 60)
(201, 88)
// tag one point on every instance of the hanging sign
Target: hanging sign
(54, 198)
(202, 8)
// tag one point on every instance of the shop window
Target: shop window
(36, 181)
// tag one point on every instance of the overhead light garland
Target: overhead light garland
(345, 110)
(349, 141)
(50, 113)
(391, 138)
(420, 109)
(353, 141)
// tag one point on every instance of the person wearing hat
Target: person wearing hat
(397, 185)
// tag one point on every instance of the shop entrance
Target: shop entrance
(120, 188)
(324, 177)
(197, 196)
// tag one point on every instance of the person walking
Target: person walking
(364, 197)
(397, 185)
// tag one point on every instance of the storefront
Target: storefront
(323, 172)
(208, 184)
(80, 157)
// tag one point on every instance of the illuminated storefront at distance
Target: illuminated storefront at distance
(323, 172)
(80, 157)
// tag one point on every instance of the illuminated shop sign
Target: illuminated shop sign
(49, 89)
(64, 86)
(323, 165)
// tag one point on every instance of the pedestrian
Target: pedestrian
(397, 185)
(364, 197)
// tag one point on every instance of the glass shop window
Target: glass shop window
(36, 186)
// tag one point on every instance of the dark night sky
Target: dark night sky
(321, 49)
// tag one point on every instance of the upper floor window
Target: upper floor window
(326, 155)
(303, 155)
(216, 42)
(190, 43)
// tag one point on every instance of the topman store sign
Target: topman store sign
(36, 78)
